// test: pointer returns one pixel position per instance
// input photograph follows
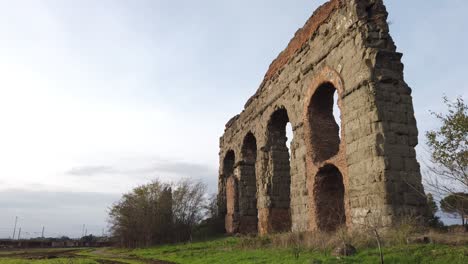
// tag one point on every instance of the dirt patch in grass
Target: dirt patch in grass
(95, 255)
(38, 254)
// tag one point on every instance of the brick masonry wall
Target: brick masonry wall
(345, 47)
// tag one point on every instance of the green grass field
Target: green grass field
(61, 256)
(232, 250)
(227, 251)
(48, 261)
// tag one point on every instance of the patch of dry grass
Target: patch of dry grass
(454, 239)
(402, 234)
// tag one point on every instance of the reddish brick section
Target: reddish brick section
(274, 220)
(232, 199)
(302, 36)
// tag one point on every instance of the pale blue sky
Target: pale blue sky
(97, 97)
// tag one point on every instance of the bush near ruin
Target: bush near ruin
(158, 213)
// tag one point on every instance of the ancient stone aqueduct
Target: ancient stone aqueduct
(364, 169)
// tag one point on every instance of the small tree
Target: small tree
(188, 207)
(449, 150)
(143, 217)
(456, 205)
(431, 204)
(211, 207)
(433, 220)
(158, 213)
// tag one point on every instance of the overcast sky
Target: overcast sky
(97, 97)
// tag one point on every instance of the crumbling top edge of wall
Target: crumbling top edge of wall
(301, 36)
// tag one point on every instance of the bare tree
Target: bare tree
(372, 225)
(188, 207)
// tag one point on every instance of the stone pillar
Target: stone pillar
(232, 205)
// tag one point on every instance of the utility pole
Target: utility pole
(19, 233)
(14, 229)
(43, 227)
(82, 230)
(86, 232)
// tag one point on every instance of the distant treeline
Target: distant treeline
(164, 213)
(86, 241)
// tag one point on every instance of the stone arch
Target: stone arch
(226, 169)
(326, 154)
(321, 128)
(231, 210)
(228, 163)
(324, 130)
(329, 198)
(248, 185)
(279, 170)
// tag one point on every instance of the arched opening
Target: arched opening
(329, 198)
(232, 193)
(324, 129)
(248, 186)
(279, 188)
(228, 164)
